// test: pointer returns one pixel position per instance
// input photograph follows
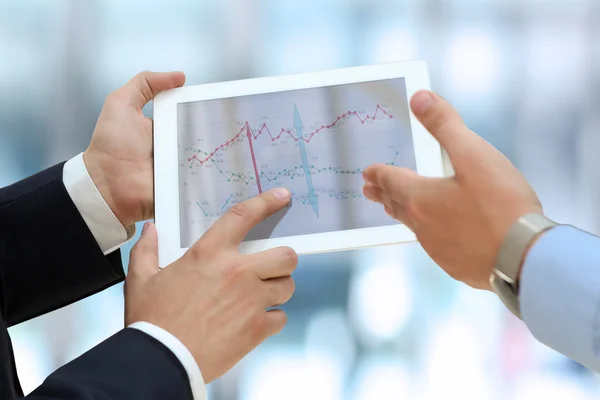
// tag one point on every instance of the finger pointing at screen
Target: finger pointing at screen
(214, 299)
(460, 221)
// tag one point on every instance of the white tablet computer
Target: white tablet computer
(314, 133)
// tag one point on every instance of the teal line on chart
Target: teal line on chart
(336, 195)
(304, 200)
(313, 169)
(205, 213)
(230, 200)
(227, 201)
(311, 190)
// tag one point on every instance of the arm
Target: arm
(462, 222)
(125, 366)
(48, 256)
(90, 204)
(77, 214)
(104, 235)
(128, 366)
(560, 293)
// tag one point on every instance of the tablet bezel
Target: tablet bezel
(430, 159)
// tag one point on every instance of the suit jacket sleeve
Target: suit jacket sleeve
(48, 256)
(128, 366)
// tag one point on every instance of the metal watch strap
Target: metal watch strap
(505, 276)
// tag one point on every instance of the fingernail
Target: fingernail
(281, 194)
(421, 102)
(145, 228)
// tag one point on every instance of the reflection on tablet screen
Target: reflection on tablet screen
(315, 142)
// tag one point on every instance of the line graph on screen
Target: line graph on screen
(200, 157)
(233, 150)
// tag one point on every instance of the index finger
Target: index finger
(396, 182)
(235, 224)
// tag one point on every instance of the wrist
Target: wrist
(520, 238)
(94, 166)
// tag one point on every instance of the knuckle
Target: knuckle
(290, 288)
(144, 85)
(141, 79)
(198, 251)
(283, 290)
(279, 322)
(269, 199)
(240, 210)
(387, 179)
(438, 119)
(282, 319)
(290, 256)
(389, 176)
(234, 270)
(276, 292)
(268, 202)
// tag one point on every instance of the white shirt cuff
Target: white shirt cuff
(181, 352)
(106, 228)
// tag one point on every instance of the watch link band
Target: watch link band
(505, 277)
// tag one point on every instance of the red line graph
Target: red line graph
(249, 135)
(264, 128)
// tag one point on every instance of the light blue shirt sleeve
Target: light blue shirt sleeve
(560, 293)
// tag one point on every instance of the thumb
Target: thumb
(146, 85)
(143, 260)
(447, 126)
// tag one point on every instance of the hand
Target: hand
(460, 221)
(119, 158)
(213, 299)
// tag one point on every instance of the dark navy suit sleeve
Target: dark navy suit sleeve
(128, 366)
(48, 256)
(49, 259)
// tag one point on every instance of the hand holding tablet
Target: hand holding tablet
(217, 145)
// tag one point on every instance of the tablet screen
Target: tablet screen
(315, 142)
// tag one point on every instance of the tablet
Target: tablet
(219, 144)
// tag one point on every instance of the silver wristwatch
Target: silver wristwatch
(505, 277)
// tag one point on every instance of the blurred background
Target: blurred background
(373, 324)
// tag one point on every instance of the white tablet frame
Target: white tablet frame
(430, 159)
